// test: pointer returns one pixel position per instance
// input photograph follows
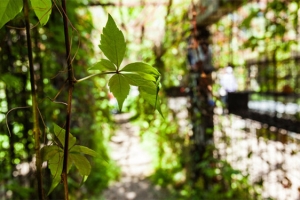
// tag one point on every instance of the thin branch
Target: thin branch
(36, 129)
(6, 116)
(170, 3)
(127, 4)
(58, 93)
(58, 102)
(63, 13)
(101, 4)
(71, 81)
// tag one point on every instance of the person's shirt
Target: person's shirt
(206, 59)
(228, 81)
(197, 54)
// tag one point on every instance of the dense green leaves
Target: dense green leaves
(54, 155)
(42, 9)
(112, 42)
(137, 74)
(15, 92)
(147, 79)
(9, 9)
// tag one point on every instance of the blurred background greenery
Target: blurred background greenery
(156, 32)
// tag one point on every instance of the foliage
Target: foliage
(225, 181)
(136, 74)
(42, 10)
(9, 9)
(54, 155)
(113, 46)
(273, 22)
(91, 123)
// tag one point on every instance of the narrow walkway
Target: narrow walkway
(135, 164)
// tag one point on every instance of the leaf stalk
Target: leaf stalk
(88, 77)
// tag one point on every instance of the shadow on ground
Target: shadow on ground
(135, 164)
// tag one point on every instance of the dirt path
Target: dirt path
(135, 165)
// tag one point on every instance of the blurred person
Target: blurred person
(228, 84)
(200, 56)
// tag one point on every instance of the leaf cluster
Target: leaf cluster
(139, 74)
(54, 154)
(9, 9)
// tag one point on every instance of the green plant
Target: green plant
(54, 154)
(138, 74)
(62, 155)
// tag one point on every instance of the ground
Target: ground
(135, 163)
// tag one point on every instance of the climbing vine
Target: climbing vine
(63, 152)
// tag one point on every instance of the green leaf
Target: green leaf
(141, 68)
(119, 86)
(60, 134)
(113, 42)
(138, 74)
(150, 88)
(104, 65)
(153, 99)
(47, 152)
(81, 163)
(157, 101)
(11, 81)
(137, 79)
(84, 150)
(55, 165)
(54, 155)
(84, 178)
(147, 78)
(9, 9)
(42, 9)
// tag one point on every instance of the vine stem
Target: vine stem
(88, 77)
(36, 129)
(71, 82)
